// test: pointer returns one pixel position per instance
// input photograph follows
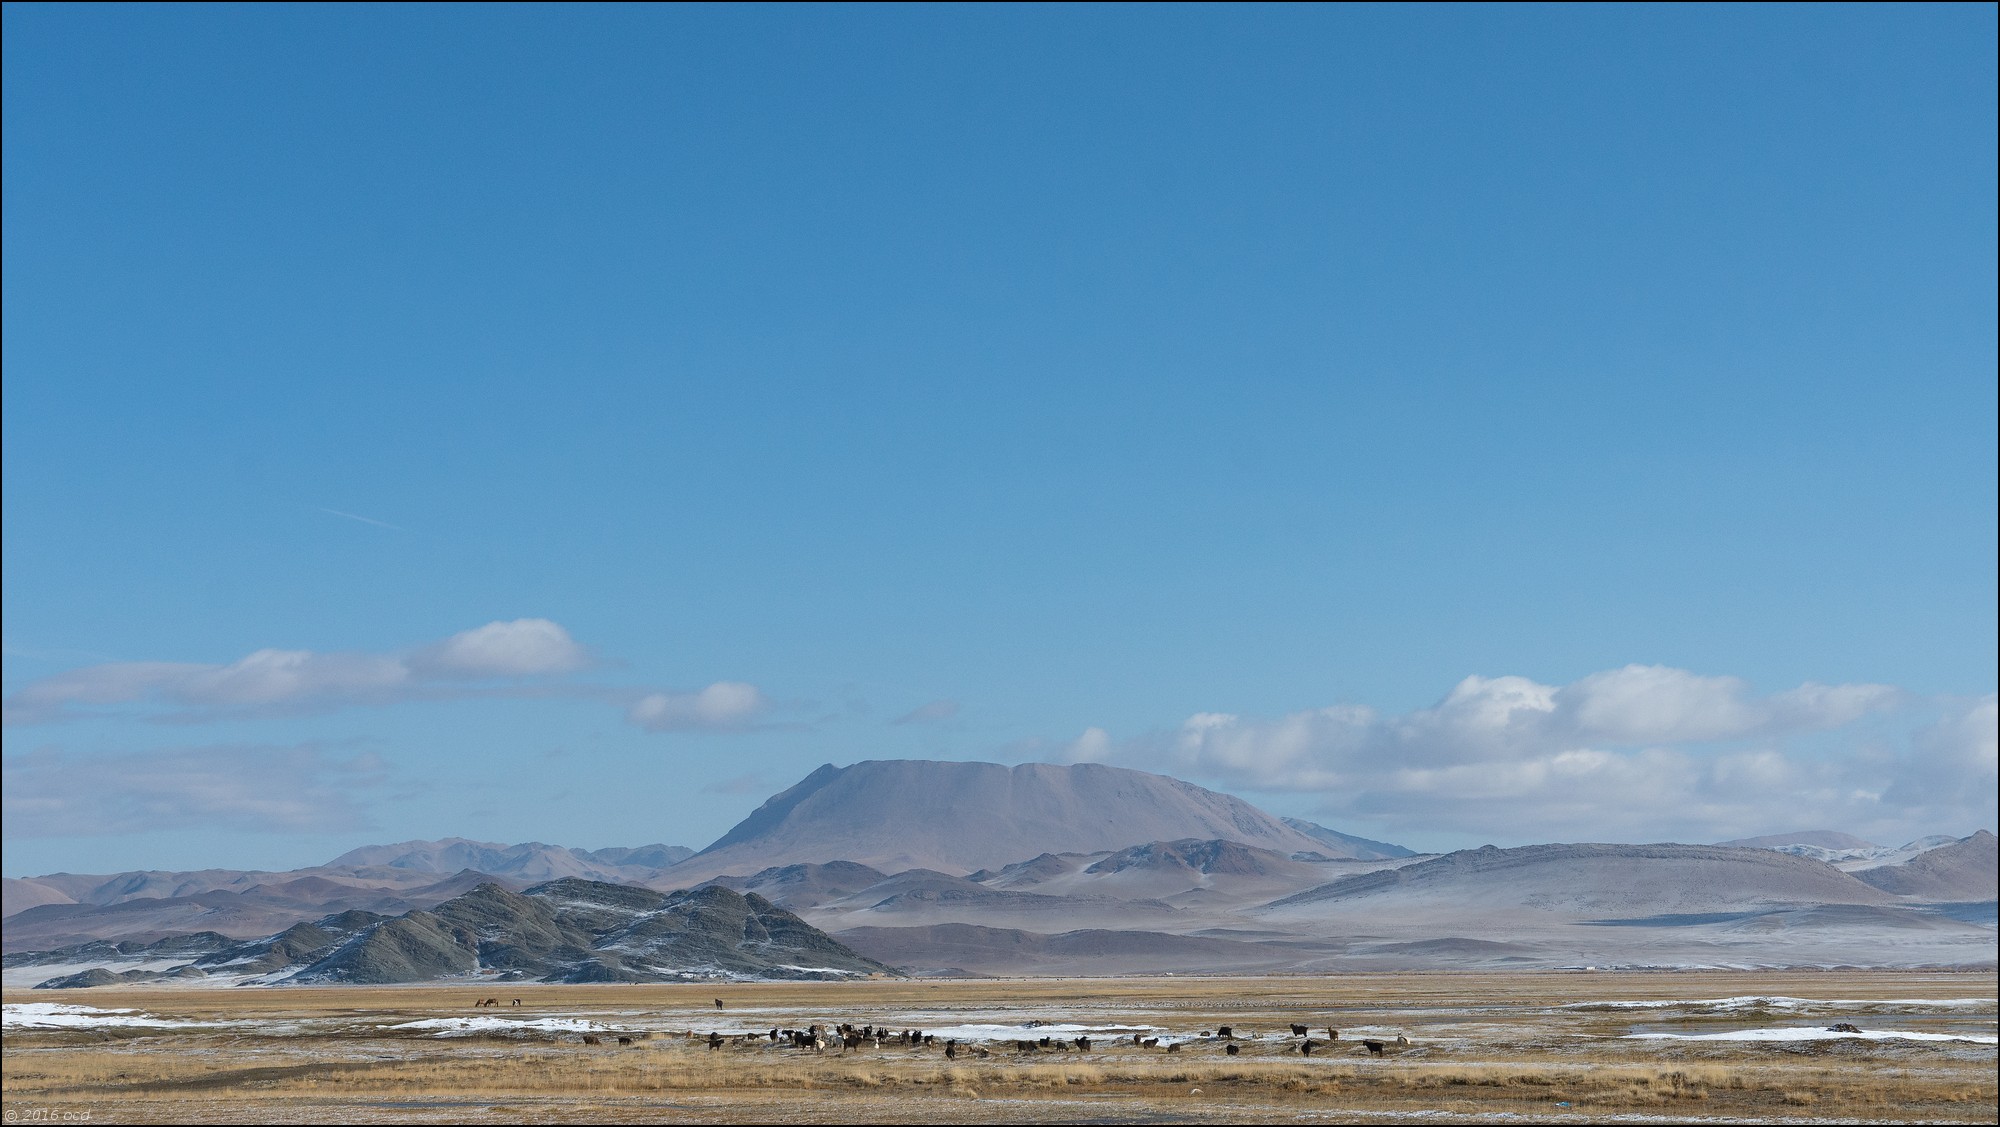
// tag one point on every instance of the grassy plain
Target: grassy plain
(1540, 1046)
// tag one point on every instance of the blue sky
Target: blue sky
(575, 424)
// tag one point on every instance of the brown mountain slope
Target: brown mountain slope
(1962, 871)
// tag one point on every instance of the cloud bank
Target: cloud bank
(725, 704)
(1632, 754)
(518, 658)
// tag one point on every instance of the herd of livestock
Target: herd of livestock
(847, 1037)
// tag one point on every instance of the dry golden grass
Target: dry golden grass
(1482, 1045)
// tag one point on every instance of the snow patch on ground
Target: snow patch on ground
(1811, 1034)
(484, 1026)
(1781, 1002)
(1065, 1031)
(56, 1015)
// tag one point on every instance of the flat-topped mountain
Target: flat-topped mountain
(957, 817)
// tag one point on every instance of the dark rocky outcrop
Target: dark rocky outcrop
(585, 931)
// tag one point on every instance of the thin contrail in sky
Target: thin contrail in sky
(364, 520)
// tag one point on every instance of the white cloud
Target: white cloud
(725, 704)
(299, 788)
(525, 647)
(272, 678)
(1093, 746)
(1638, 753)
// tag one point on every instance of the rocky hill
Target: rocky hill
(530, 861)
(562, 931)
(1966, 870)
(254, 910)
(1601, 880)
(806, 886)
(62, 909)
(957, 817)
(1189, 871)
(1338, 844)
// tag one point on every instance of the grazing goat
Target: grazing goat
(1174, 1047)
(590, 1040)
(1298, 1030)
(1332, 1034)
(1307, 1046)
(1083, 1044)
(628, 1040)
(1374, 1047)
(1232, 1049)
(1227, 1033)
(718, 1003)
(951, 1050)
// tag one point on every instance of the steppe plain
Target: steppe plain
(1659, 1046)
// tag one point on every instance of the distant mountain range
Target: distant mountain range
(967, 868)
